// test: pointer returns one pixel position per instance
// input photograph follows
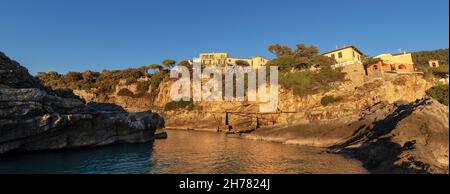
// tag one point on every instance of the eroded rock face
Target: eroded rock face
(33, 117)
(402, 138)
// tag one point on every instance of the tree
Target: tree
(53, 75)
(370, 61)
(305, 51)
(185, 63)
(90, 76)
(280, 50)
(323, 61)
(168, 63)
(155, 67)
(303, 57)
(72, 77)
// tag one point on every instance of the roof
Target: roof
(351, 46)
(398, 54)
(387, 54)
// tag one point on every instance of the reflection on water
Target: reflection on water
(185, 152)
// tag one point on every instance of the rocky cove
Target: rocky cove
(36, 118)
(389, 124)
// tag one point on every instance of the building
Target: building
(381, 68)
(433, 63)
(346, 55)
(213, 58)
(223, 59)
(392, 63)
(401, 58)
(444, 80)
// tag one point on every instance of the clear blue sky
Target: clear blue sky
(76, 35)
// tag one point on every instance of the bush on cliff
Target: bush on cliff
(440, 93)
(327, 100)
(307, 82)
(125, 92)
(157, 78)
(103, 82)
(175, 105)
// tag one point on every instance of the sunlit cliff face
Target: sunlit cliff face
(207, 85)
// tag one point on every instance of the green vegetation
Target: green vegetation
(421, 58)
(440, 93)
(125, 92)
(175, 105)
(370, 61)
(168, 63)
(104, 82)
(157, 78)
(303, 57)
(437, 72)
(327, 100)
(143, 86)
(307, 82)
(295, 69)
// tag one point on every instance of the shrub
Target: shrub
(327, 100)
(174, 105)
(142, 87)
(130, 80)
(307, 82)
(371, 61)
(440, 93)
(157, 78)
(125, 92)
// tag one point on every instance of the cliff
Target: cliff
(34, 117)
(356, 94)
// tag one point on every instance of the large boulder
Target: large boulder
(34, 118)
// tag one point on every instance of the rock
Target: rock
(402, 138)
(35, 118)
(161, 135)
(387, 138)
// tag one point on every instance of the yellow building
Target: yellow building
(346, 55)
(402, 58)
(213, 58)
(222, 59)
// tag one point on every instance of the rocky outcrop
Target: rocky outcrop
(34, 118)
(401, 138)
(387, 137)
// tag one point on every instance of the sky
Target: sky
(78, 35)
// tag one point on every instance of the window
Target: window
(340, 55)
(353, 54)
(332, 56)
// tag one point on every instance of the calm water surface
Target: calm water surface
(185, 152)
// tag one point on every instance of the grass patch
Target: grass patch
(327, 100)
(175, 105)
(440, 93)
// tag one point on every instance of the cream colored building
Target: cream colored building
(346, 55)
(222, 59)
(433, 63)
(402, 58)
